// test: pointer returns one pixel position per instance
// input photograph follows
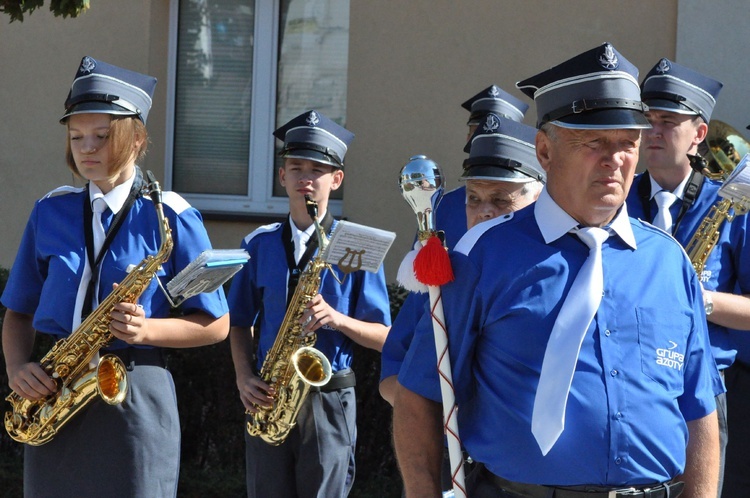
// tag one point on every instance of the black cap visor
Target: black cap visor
(605, 119)
(97, 107)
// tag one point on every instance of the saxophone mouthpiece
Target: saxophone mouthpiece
(312, 207)
(154, 189)
(698, 163)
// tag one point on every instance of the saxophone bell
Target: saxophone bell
(111, 379)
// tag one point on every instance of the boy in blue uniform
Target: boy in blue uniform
(641, 377)
(131, 449)
(681, 102)
(317, 458)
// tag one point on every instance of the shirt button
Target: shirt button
(613, 372)
(618, 415)
(607, 332)
(618, 460)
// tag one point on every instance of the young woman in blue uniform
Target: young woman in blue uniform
(131, 449)
(317, 458)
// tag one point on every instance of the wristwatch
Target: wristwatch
(708, 303)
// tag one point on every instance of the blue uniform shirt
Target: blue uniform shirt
(51, 259)
(645, 367)
(260, 288)
(450, 217)
(727, 268)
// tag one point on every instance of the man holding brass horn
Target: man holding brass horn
(557, 329)
(317, 457)
(674, 196)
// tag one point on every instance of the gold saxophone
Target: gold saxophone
(37, 422)
(292, 366)
(724, 144)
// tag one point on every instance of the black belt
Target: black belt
(660, 490)
(139, 356)
(340, 380)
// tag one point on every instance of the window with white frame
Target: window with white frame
(238, 70)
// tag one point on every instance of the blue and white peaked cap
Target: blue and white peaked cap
(102, 88)
(597, 89)
(313, 136)
(496, 100)
(675, 88)
(502, 149)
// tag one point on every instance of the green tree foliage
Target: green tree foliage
(17, 8)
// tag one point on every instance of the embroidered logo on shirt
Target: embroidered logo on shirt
(705, 276)
(669, 357)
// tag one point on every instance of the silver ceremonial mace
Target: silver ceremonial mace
(421, 184)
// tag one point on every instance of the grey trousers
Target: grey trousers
(316, 460)
(131, 450)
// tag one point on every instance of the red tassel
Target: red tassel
(432, 266)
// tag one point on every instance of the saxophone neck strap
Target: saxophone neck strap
(95, 262)
(296, 268)
(689, 195)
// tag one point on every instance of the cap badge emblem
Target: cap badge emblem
(664, 66)
(312, 119)
(494, 91)
(87, 65)
(608, 59)
(491, 124)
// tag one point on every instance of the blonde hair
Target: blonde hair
(124, 132)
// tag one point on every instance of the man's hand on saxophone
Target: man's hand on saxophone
(367, 334)
(254, 392)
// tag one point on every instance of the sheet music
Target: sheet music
(207, 272)
(355, 247)
(737, 185)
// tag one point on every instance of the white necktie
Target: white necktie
(664, 201)
(561, 355)
(98, 207)
(300, 244)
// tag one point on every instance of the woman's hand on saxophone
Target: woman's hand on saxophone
(129, 323)
(27, 379)
(30, 381)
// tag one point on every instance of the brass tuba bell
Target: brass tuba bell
(722, 150)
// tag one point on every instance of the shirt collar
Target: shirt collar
(655, 187)
(309, 231)
(554, 222)
(116, 197)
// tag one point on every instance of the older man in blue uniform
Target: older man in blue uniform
(555, 399)
(681, 102)
(501, 175)
(450, 215)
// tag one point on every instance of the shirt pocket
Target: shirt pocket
(662, 340)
